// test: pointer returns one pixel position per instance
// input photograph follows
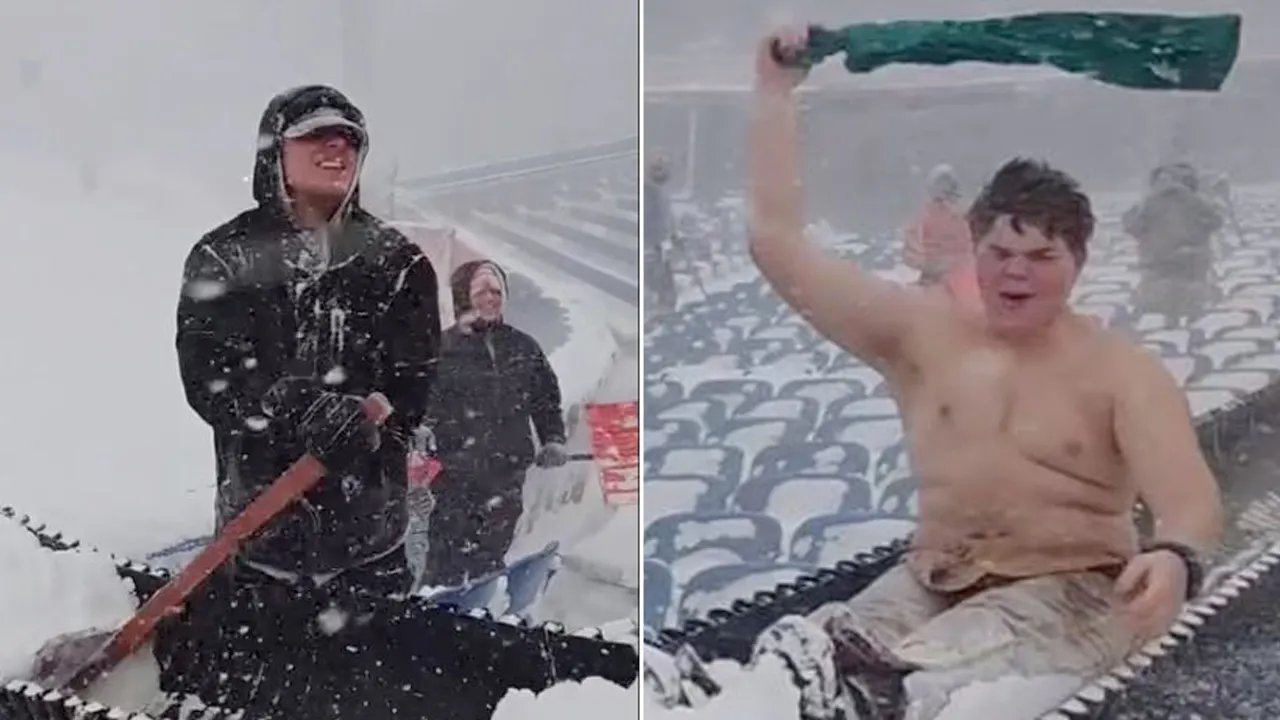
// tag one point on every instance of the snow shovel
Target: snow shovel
(615, 444)
(76, 660)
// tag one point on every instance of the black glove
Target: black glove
(552, 455)
(289, 397)
(332, 426)
(337, 430)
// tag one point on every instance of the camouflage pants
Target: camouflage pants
(1054, 625)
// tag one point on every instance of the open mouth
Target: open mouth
(332, 165)
(1014, 300)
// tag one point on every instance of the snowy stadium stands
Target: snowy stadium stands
(572, 215)
(769, 453)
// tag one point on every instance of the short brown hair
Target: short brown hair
(1033, 193)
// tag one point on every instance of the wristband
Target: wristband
(1195, 571)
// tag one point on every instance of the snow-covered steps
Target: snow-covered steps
(606, 214)
(624, 201)
(623, 247)
(614, 281)
(439, 662)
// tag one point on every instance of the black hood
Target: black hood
(284, 110)
(460, 283)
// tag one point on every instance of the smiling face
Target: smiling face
(1025, 277)
(322, 165)
(486, 294)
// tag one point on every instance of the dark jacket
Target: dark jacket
(1174, 225)
(659, 224)
(251, 312)
(492, 382)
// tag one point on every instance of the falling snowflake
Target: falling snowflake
(332, 620)
(204, 290)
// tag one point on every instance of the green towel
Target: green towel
(1167, 52)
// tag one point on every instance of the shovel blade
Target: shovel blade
(62, 657)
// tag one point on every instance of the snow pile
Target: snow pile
(46, 594)
(763, 690)
(591, 698)
(49, 593)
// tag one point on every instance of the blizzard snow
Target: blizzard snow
(104, 446)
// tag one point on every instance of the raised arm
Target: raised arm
(865, 314)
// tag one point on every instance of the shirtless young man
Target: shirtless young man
(1034, 431)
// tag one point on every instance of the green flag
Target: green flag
(1168, 52)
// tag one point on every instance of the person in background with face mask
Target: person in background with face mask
(1033, 430)
(495, 391)
(938, 241)
(290, 314)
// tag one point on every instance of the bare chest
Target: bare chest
(1056, 413)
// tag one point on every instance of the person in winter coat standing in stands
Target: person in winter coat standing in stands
(290, 314)
(1174, 226)
(495, 391)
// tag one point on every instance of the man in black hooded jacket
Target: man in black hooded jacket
(496, 389)
(290, 314)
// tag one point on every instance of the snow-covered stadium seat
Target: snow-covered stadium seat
(749, 537)
(659, 591)
(660, 432)
(708, 413)
(847, 460)
(793, 500)
(718, 587)
(674, 494)
(824, 540)
(720, 461)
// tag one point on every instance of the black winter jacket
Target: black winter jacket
(493, 382)
(252, 312)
